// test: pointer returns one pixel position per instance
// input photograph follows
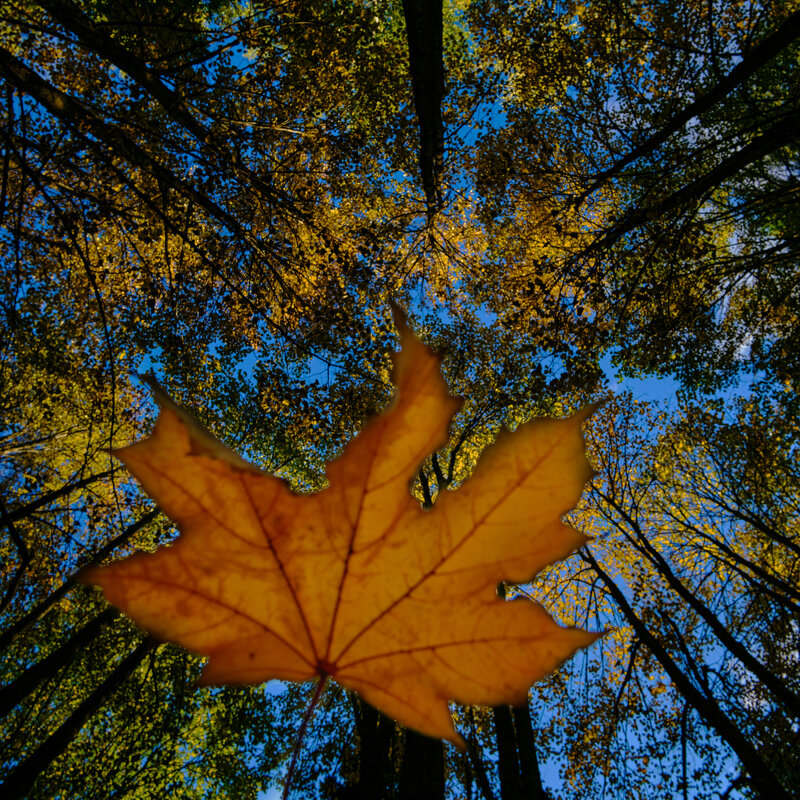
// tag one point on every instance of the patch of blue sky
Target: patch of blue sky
(666, 391)
(649, 389)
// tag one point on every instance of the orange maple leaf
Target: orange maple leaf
(357, 582)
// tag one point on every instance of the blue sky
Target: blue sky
(650, 389)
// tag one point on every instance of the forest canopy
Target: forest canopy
(563, 196)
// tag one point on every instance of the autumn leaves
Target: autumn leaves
(357, 582)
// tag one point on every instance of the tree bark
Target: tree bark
(530, 776)
(424, 33)
(422, 773)
(14, 692)
(20, 779)
(763, 779)
(39, 610)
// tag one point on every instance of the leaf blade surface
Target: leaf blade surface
(357, 582)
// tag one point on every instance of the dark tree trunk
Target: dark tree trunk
(508, 762)
(475, 761)
(763, 780)
(424, 32)
(422, 773)
(765, 51)
(107, 139)
(771, 681)
(11, 694)
(39, 610)
(93, 37)
(530, 776)
(22, 553)
(16, 514)
(376, 742)
(780, 134)
(375, 733)
(20, 779)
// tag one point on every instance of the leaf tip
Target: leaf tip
(589, 410)
(202, 441)
(457, 740)
(399, 316)
(160, 394)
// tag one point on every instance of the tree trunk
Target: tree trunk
(422, 773)
(45, 669)
(508, 762)
(16, 514)
(761, 54)
(20, 779)
(375, 733)
(530, 776)
(771, 681)
(777, 136)
(39, 610)
(478, 769)
(22, 552)
(426, 64)
(762, 779)
(113, 138)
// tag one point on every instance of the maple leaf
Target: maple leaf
(357, 582)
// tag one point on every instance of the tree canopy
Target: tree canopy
(561, 195)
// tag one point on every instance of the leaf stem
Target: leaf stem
(301, 734)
